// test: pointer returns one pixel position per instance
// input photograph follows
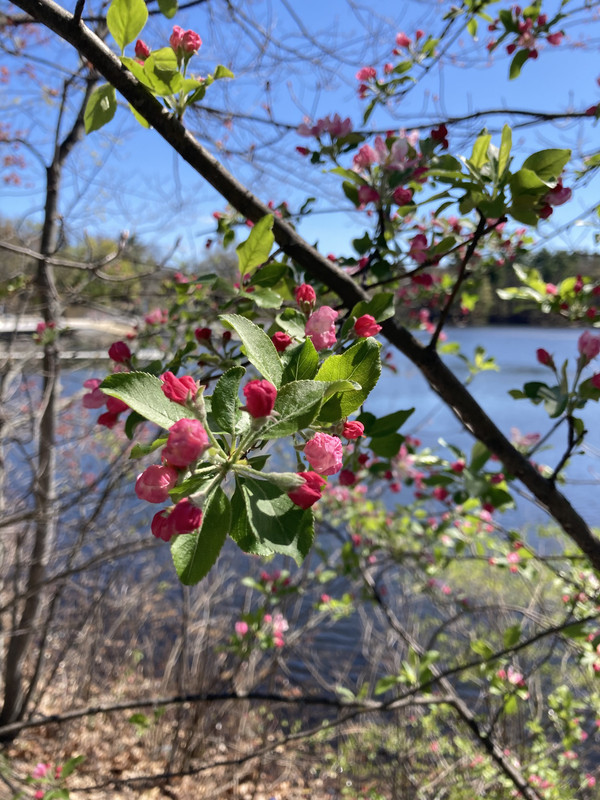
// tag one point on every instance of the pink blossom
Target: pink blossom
(108, 420)
(588, 345)
(544, 357)
(347, 477)
(40, 770)
(305, 296)
(241, 628)
(307, 495)
(191, 42)
(402, 40)
(186, 442)
(260, 398)
(555, 38)
(179, 390)
(281, 341)
(156, 316)
(364, 157)
(96, 398)
(155, 483)
(203, 334)
(524, 440)
(558, 195)
(366, 326)
(176, 37)
(353, 430)
(116, 406)
(367, 194)
(324, 453)
(185, 517)
(403, 196)
(161, 525)
(366, 74)
(320, 327)
(142, 51)
(418, 248)
(119, 352)
(335, 127)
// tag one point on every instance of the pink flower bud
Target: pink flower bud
(142, 51)
(281, 341)
(185, 517)
(176, 37)
(366, 74)
(544, 357)
(458, 466)
(402, 40)
(307, 495)
(155, 483)
(367, 194)
(305, 295)
(555, 38)
(347, 478)
(353, 430)
(324, 453)
(588, 345)
(403, 196)
(161, 525)
(186, 442)
(119, 352)
(366, 326)
(203, 334)
(179, 390)
(260, 398)
(191, 42)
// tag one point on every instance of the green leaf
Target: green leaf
(133, 420)
(516, 64)
(269, 275)
(255, 250)
(548, 164)
(57, 794)
(387, 446)
(259, 348)
(195, 553)
(162, 73)
(292, 322)
(511, 704)
(142, 120)
(141, 450)
(296, 406)
(142, 392)
(125, 20)
(479, 156)
(479, 457)
(278, 525)
(100, 108)
(71, 765)
(384, 426)
(222, 72)
(512, 635)
(360, 363)
(225, 402)
(266, 298)
(303, 363)
(505, 146)
(168, 8)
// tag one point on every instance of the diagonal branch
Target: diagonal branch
(440, 377)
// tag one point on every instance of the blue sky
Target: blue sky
(126, 177)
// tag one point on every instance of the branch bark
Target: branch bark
(440, 377)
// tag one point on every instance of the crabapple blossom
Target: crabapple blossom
(367, 194)
(116, 406)
(418, 248)
(544, 357)
(185, 517)
(203, 334)
(364, 157)
(402, 40)
(320, 327)
(347, 477)
(324, 453)
(95, 398)
(281, 341)
(241, 628)
(353, 430)
(307, 495)
(119, 352)
(402, 196)
(178, 389)
(186, 442)
(155, 483)
(366, 74)
(305, 296)
(142, 51)
(260, 398)
(366, 326)
(588, 345)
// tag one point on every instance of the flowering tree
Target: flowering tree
(306, 362)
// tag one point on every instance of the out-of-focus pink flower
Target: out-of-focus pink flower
(241, 628)
(40, 770)
(335, 126)
(347, 477)
(320, 327)
(366, 326)
(366, 74)
(155, 483)
(95, 398)
(119, 352)
(156, 317)
(588, 345)
(108, 419)
(364, 157)
(203, 334)
(324, 453)
(307, 495)
(402, 40)
(353, 429)
(403, 196)
(555, 38)
(367, 194)
(186, 442)
(142, 51)
(260, 398)
(544, 357)
(178, 389)
(419, 248)
(116, 406)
